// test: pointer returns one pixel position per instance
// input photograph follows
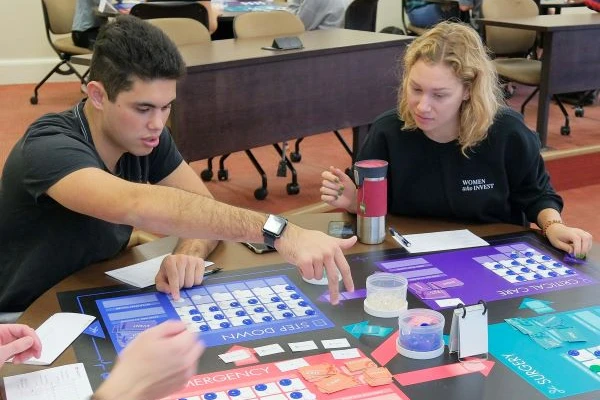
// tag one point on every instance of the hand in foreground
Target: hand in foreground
(177, 271)
(571, 240)
(19, 341)
(314, 252)
(155, 364)
(338, 190)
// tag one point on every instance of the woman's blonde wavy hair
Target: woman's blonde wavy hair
(459, 47)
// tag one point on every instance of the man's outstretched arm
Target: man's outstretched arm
(173, 211)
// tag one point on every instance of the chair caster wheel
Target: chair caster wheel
(206, 175)
(579, 111)
(292, 188)
(223, 174)
(260, 193)
(565, 130)
(295, 157)
(33, 100)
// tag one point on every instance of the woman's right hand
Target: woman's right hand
(338, 190)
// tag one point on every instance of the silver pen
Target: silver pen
(399, 238)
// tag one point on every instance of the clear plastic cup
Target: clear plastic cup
(420, 333)
(386, 295)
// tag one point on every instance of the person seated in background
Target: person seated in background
(158, 362)
(425, 14)
(213, 14)
(77, 182)
(87, 22)
(454, 149)
(319, 14)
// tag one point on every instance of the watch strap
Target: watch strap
(269, 239)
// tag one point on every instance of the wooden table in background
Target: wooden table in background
(570, 60)
(558, 5)
(237, 96)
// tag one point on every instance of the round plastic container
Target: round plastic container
(420, 334)
(386, 295)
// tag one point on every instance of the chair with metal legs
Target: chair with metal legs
(258, 24)
(58, 20)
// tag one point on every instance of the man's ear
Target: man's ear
(96, 94)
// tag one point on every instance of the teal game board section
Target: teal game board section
(569, 369)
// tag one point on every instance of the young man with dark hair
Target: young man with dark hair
(78, 181)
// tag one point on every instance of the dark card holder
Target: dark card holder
(287, 43)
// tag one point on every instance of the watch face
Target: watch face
(274, 224)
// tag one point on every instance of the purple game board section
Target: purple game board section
(487, 273)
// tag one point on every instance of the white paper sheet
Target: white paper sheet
(444, 240)
(303, 346)
(345, 354)
(269, 349)
(236, 355)
(290, 365)
(57, 333)
(335, 343)
(141, 274)
(67, 382)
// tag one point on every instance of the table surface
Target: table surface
(561, 3)
(230, 256)
(545, 23)
(221, 53)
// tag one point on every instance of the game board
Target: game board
(442, 280)
(123, 312)
(569, 369)
(225, 313)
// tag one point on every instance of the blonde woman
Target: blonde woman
(454, 149)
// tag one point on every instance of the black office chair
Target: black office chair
(361, 15)
(171, 9)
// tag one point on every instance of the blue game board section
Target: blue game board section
(225, 313)
(247, 6)
(568, 370)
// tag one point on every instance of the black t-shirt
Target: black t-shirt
(503, 179)
(42, 242)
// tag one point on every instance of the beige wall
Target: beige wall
(25, 55)
(388, 14)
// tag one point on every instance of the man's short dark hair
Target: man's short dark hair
(131, 48)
